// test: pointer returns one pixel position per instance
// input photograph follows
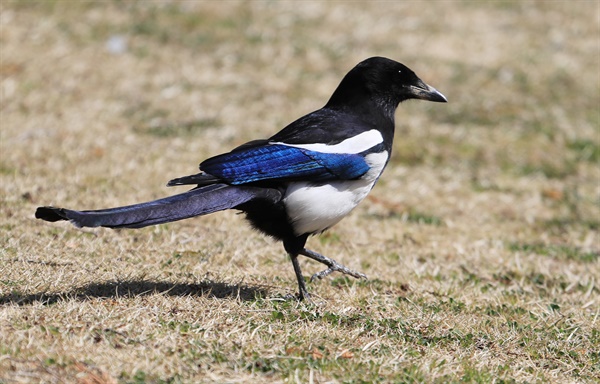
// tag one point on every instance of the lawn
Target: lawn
(481, 240)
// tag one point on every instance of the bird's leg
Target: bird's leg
(302, 292)
(294, 246)
(333, 266)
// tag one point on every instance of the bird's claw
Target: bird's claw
(337, 267)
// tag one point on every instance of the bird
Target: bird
(299, 182)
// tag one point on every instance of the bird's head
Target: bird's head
(383, 81)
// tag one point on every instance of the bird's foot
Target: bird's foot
(337, 267)
(297, 297)
(303, 295)
(333, 266)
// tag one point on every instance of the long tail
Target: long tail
(196, 202)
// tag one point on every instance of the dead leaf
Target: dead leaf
(316, 354)
(553, 194)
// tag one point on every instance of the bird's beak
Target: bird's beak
(427, 92)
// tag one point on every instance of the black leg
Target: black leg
(333, 266)
(293, 246)
(302, 292)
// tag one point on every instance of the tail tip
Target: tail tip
(51, 214)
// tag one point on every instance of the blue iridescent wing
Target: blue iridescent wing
(282, 162)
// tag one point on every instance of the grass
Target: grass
(481, 240)
(557, 251)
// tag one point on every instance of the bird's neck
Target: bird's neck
(375, 113)
(358, 99)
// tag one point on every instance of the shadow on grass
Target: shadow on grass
(133, 288)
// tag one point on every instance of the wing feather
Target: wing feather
(282, 162)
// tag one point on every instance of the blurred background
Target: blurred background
(493, 197)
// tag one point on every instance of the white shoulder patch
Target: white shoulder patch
(356, 144)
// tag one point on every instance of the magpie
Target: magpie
(299, 182)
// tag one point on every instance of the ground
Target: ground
(481, 240)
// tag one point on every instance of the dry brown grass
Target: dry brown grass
(481, 240)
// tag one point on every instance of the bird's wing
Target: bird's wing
(325, 126)
(279, 161)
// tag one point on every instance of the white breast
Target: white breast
(314, 207)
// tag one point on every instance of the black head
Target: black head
(383, 81)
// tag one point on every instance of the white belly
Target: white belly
(314, 207)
